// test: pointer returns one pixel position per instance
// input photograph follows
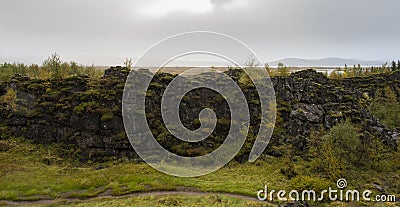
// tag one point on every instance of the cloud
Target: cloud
(230, 5)
(160, 8)
(220, 3)
(102, 31)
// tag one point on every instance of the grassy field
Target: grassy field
(34, 172)
(26, 175)
(161, 201)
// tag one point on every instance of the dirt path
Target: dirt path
(139, 194)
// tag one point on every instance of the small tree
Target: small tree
(394, 67)
(338, 76)
(359, 70)
(376, 153)
(386, 107)
(338, 150)
(128, 63)
(92, 71)
(282, 70)
(323, 158)
(251, 62)
(53, 66)
(65, 69)
(268, 69)
(75, 68)
(398, 64)
(34, 71)
(6, 72)
(9, 99)
(346, 142)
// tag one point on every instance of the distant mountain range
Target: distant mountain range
(293, 62)
(325, 62)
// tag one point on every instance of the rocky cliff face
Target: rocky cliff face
(308, 101)
(84, 115)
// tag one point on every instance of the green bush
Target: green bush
(336, 151)
(345, 141)
(9, 99)
(386, 107)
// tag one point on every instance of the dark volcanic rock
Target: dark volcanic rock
(87, 114)
(307, 112)
(119, 72)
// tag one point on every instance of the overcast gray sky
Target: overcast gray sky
(104, 32)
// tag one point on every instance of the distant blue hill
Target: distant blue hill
(325, 62)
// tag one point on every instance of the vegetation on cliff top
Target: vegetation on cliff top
(55, 68)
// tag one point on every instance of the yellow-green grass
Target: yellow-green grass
(25, 174)
(160, 201)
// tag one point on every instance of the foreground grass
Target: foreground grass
(160, 201)
(26, 174)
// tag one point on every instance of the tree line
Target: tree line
(52, 68)
(55, 68)
(359, 71)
